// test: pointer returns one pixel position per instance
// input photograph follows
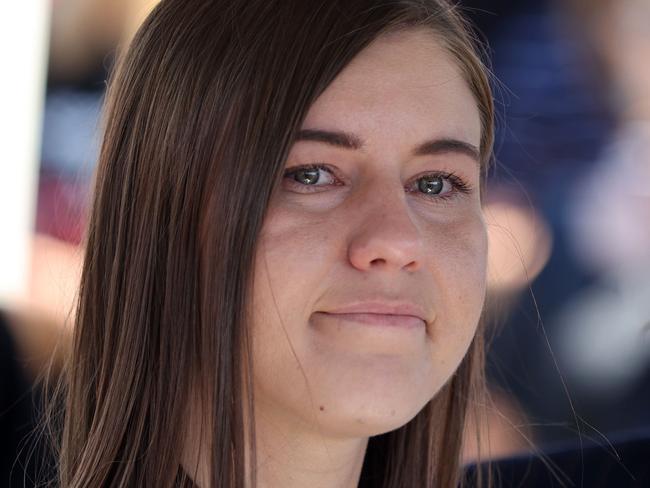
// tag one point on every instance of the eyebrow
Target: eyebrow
(351, 141)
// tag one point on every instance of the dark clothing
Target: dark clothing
(627, 466)
(17, 416)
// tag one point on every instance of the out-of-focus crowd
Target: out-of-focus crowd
(568, 208)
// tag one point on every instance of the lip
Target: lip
(390, 320)
(381, 313)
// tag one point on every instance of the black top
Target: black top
(19, 463)
(627, 465)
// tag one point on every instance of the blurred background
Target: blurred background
(568, 207)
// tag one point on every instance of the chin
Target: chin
(371, 423)
(354, 416)
(370, 395)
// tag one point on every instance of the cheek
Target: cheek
(462, 259)
(295, 252)
(458, 262)
(293, 259)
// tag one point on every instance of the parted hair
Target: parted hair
(202, 106)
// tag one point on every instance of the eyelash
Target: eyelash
(459, 186)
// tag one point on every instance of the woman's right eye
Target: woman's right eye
(312, 175)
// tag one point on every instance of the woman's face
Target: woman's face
(371, 269)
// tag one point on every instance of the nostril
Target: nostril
(381, 262)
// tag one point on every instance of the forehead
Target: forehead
(401, 89)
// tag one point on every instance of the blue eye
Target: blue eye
(308, 175)
(442, 186)
(433, 186)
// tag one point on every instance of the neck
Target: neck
(289, 454)
(291, 457)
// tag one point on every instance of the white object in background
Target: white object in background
(603, 343)
(24, 37)
(609, 217)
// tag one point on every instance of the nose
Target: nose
(385, 236)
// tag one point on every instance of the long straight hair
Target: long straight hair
(200, 114)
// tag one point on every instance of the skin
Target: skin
(324, 385)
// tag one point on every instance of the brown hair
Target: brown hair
(201, 108)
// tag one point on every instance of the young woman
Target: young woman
(286, 257)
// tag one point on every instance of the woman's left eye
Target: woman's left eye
(438, 185)
(442, 185)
